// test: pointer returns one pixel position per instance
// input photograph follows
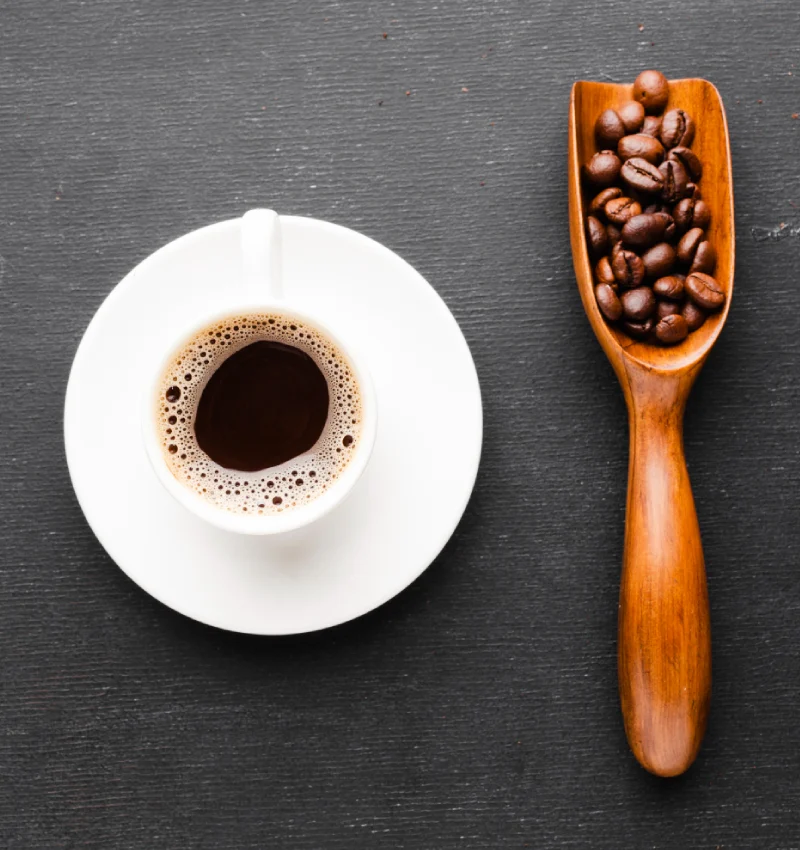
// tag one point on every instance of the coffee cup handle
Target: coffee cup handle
(262, 254)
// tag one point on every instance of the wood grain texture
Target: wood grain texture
(664, 641)
(479, 709)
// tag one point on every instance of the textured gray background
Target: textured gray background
(478, 709)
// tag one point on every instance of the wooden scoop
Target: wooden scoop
(664, 641)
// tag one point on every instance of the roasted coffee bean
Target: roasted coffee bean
(642, 146)
(704, 291)
(658, 208)
(632, 115)
(614, 234)
(689, 160)
(705, 258)
(639, 330)
(672, 329)
(638, 304)
(596, 233)
(652, 126)
(659, 260)
(670, 287)
(683, 213)
(651, 89)
(640, 199)
(675, 180)
(645, 230)
(604, 274)
(602, 169)
(701, 213)
(608, 129)
(642, 175)
(688, 244)
(670, 231)
(628, 268)
(677, 128)
(695, 317)
(693, 191)
(608, 302)
(690, 213)
(667, 308)
(597, 205)
(620, 210)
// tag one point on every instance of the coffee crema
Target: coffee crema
(259, 413)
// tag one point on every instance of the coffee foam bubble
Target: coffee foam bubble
(279, 488)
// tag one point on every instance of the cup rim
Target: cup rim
(255, 524)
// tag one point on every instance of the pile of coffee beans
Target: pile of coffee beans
(646, 222)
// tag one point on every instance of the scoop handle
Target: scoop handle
(664, 647)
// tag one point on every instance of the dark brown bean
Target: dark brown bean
(638, 304)
(670, 287)
(620, 210)
(689, 160)
(667, 308)
(598, 202)
(639, 145)
(604, 274)
(614, 234)
(608, 302)
(659, 260)
(602, 169)
(675, 181)
(683, 213)
(628, 268)
(651, 89)
(639, 330)
(693, 191)
(690, 213)
(608, 129)
(642, 175)
(688, 244)
(597, 236)
(677, 128)
(632, 115)
(705, 291)
(641, 198)
(695, 317)
(642, 231)
(659, 207)
(670, 231)
(652, 126)
(672, 329)
(701, 216)
(705, 258)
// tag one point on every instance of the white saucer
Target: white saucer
(399, 515)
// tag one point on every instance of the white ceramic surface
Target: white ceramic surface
(400, 513)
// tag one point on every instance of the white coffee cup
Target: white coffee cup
(258, 290)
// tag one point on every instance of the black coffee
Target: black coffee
(258, 413)
(266, 404)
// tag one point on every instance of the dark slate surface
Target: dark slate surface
(478, 709)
